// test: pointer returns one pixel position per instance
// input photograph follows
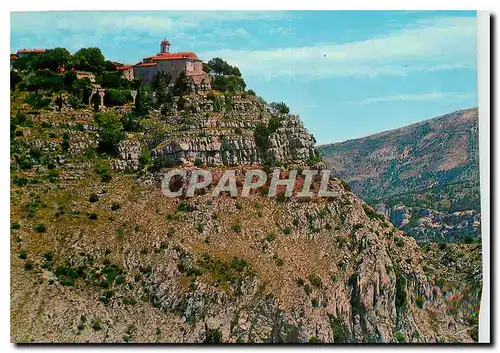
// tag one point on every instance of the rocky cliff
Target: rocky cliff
(424, 177)
(220, 130)
(99, 254)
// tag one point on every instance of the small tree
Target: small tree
(280, 107)
(163, 93)
(89, 59)
(142, 102)
(111, 132)
(181, 86)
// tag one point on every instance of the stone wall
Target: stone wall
(128, 156)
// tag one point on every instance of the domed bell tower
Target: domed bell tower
(164, 46)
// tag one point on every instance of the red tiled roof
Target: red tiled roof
(31, 51)
(145, 64)
(13, 57)
(165, 42)
(173, 56)
(124, 67)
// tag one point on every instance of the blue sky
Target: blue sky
(348, 74)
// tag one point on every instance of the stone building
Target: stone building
(174, 64)
(127, 71)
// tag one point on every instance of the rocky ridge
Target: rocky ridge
(431, 167)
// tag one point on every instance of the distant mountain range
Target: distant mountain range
(425, 176)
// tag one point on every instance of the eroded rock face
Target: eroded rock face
(291, 141)
(225, 136)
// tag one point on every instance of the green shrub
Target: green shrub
(40, 228)
(236, 228)
(75, 102)
(24, 162)
(106, 297)
(420, 302)
(300, 282)
(20, 181)
(92, 216)
(345, 185)
(314, 339)
(37, 100)
(315, 280)
(105, 172)
(115, 206)
(29, 265)
(23, 254)
(271, 237)
(145, 157)
(213, 336)
(372, 214)
(198, 162)
(93, 197)
(314, 160)
(400, 337)
(200, 227)
(281, 197)
(53, 176)
(162, 162)
(399, 242)
(111, 132)
(65, 142)
(117, 97)
(96, 324)
(401, 294)
(339, 328)
(357, 226)
(15, 225)
(184, 206)
(280, 107)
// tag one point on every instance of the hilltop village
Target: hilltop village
(183, 70)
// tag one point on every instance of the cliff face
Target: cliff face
(219, 130)
(427, 168)
(98, 255)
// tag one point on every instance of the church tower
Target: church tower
(164, 46)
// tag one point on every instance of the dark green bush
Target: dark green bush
(40, 228)
(23, 254)
(184, 206)
(117, 97)
(315, 280)
(37, 100)
(111, 132)
(271, 237)
(93, 197)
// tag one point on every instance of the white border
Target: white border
(483, 96)
(483, 79)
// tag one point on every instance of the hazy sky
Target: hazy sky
(346, 73)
